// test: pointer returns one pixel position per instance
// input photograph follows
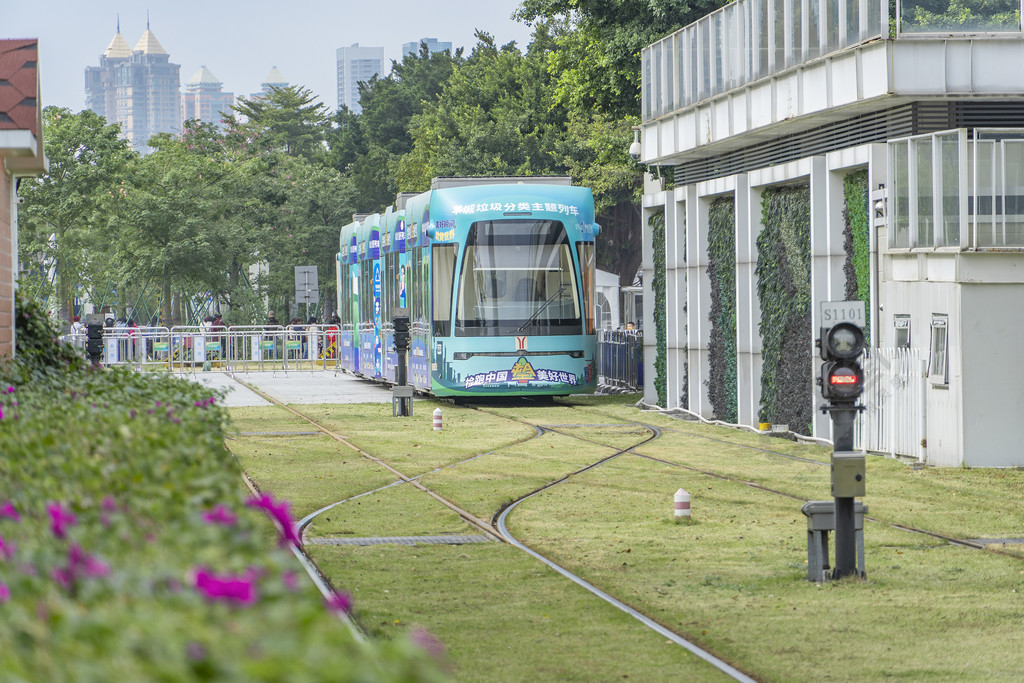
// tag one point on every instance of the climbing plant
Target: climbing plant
(856, 241)
(721, 383)
(784, 290)
(657, 223)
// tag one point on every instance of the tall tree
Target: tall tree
(289, 120)
(367, 145)
(62, 220)
(599, 43)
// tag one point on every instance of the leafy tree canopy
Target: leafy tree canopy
(599, 45)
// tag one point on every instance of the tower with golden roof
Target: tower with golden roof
(138, 88)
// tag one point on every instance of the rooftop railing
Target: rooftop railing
(752, 39)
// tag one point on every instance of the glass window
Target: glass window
(901, 322)
(929, 16)
(900, 200)
(983, 203)
(925, 193)
(1013, 192)
(938, 360)
(949, 146)
(588, 262)
(814, 28)
(517, 276)
(443, 269)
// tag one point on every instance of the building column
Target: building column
(651, 204)
(698, 302)
(675, 298)
(748, 306)
(828, 256)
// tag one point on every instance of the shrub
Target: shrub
(128, 550)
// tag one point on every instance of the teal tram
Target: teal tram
(497, 279)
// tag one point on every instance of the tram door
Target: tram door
(378, 359)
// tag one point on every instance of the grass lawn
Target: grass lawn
(732, 580)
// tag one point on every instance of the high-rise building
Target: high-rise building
(138, 88)
(274, 79)
(205, 99)
(356, 64)
(433, 45)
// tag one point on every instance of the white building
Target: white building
(356, 64)
(772, 122)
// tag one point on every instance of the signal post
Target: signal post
(841, 340)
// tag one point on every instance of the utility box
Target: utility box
(848, 474)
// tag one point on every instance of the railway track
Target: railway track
(497, 529)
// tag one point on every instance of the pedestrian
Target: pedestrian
(272, 320)
(77, 332)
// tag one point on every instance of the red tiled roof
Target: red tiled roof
(19, 85)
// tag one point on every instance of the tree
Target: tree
(597, 62)
(62, 219)
(168, 223)
(289, 120)
(366, 146)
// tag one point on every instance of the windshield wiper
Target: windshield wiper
(547, 302)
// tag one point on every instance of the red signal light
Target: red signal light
(843, 379)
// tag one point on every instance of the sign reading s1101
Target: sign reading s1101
(835, 312)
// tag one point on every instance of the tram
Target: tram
(496, 277)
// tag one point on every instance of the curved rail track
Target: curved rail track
(497, 529)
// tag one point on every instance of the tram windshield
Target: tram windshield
(517, 278)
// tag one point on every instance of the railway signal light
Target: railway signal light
(94, 339)
(841, 341)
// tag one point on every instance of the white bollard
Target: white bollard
(437, 419)
(682, 505)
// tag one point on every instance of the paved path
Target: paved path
(301, 388)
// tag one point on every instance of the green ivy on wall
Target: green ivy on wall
(784, 290)
(721, 383)
(657, 223)
(856, 241)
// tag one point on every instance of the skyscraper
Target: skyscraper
(356, 64)
(205, 99)
(138, 88)
(433, 45)
(274, 79)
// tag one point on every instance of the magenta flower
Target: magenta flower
(6, 549)
(1, 412)
(290, 580)
(235, 589)
(279, 512)
(109, 504)
(220, 515)
(10, 390)
(8, 510)
(60, 518)
(5, 593)
(340, 602)
(80, 565)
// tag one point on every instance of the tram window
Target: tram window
(443, 256)
(588, 260)
(517, 276)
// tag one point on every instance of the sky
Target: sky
(241, 41)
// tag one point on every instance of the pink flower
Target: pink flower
(227, 588)
(8, 510)
(80, 565)
(290, 580)
(5, 593)
(279, 512)
(6, 549)
(60, 518)
(109, 504)
(340, 602)
(220, 515)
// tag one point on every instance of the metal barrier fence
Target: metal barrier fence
(894, 419)
(225, 349)
(620, 359)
